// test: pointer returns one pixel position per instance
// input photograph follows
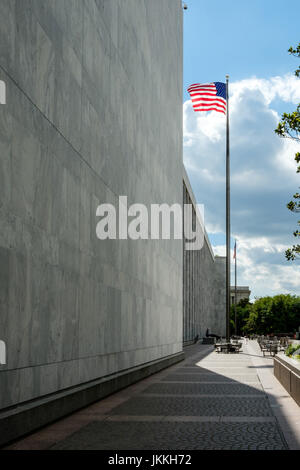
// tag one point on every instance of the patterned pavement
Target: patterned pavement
(209, 401)
(202, 388)
(194, 406)
(201, 377)
(175, 436)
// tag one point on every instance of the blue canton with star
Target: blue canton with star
(221, 89)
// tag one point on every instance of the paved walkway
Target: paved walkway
(208, 401)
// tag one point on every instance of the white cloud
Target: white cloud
(285, 88)
(263, 178)
(260, 265)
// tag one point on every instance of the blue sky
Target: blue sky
(238, 37)
(249, 41)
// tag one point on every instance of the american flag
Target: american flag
(208, 96)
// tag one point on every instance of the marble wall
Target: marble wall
(204, 285)
(94, 111)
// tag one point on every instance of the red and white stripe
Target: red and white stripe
(204, 98)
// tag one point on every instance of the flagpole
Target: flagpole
(227, 216)
(235, 291)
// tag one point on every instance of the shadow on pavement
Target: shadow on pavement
(217, 405)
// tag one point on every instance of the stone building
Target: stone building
(93, 111)
(242, 292)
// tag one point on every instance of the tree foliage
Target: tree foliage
(289, 127)
(296, 53)
(243, 309)
(278, 314)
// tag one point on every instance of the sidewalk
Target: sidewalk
(208, 401)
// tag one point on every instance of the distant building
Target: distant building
(242, 292)
(204, 285)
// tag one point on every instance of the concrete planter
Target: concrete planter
(287, 371)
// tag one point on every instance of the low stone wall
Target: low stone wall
(287, 371)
